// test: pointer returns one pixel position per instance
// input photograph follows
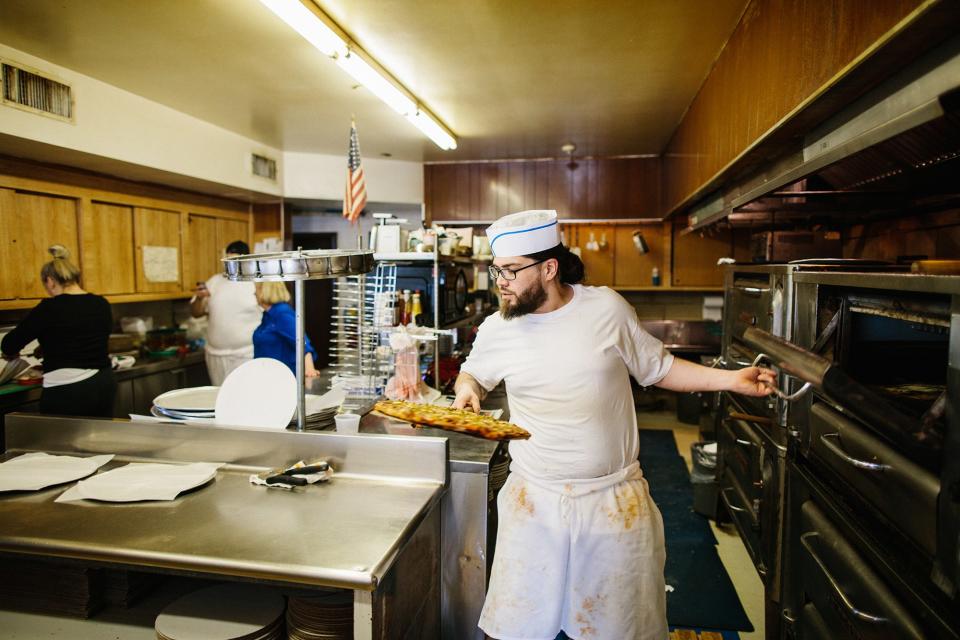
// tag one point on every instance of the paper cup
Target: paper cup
(347, 422)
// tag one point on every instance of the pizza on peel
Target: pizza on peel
(459, 420)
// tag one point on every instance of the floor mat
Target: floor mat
(703, 595)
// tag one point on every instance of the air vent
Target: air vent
(264, 167)
(34, 92)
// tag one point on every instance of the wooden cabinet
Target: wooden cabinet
(156, 232)
(29, 224)
(108, 226)
(9, 271)
(201, 250)
(583, 188)
(106, 233)
(205, 240)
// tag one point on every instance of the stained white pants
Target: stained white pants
(220, 366)
(583, 556)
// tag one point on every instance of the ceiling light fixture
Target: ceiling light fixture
(307, 20)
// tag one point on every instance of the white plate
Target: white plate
(32, 471)
(221, 612)
(258, 393)
(189, 399)
(146, 481)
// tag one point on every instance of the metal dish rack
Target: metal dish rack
(298, 266)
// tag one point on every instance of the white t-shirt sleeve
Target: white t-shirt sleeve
(645, 356)
(483, 358)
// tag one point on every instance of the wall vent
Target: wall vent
(264, 167)
(35, 92)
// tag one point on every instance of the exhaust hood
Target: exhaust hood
(896, 149)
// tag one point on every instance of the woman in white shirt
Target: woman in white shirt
(233, 314)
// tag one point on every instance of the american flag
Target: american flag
(356, 196)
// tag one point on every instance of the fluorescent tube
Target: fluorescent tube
(379, 86)
(432, 129)
(307, 24)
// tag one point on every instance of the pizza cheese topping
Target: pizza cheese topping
(459, 420)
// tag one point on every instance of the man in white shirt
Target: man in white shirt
(233, 315)
(580, 542)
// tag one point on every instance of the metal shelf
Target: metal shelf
(316, 264)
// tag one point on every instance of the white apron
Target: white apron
(585, 556)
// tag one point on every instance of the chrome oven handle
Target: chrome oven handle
(827, 440)
(742, 442)
(730, 504)
(857, 613)
(789, 397)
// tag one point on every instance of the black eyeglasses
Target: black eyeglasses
(509, 274)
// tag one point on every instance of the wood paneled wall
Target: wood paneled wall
(934, 236)
(584, 188)
(782, 53)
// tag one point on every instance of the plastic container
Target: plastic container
(705, 486)
(347, 422)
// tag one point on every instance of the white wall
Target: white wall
(117, 124)
(324, 177)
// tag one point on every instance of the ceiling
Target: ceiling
(511, 79)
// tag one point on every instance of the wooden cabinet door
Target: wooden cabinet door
(41, 220)
(631, 268)
(106, 232)
(157, 236)
(9, 254)
(201, 250)
(695, 258)
(229, 231)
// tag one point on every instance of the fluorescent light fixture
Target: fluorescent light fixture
(320, 34)
(307, 24)
(366, 75)
(432, 129)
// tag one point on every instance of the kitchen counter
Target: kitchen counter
(348, 533)
(144, 366)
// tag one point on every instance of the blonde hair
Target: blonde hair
(60, 269)
(272, 292)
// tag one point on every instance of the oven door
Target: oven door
(741, 482)
(903, 492)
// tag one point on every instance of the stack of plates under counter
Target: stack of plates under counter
(327, 617)
(224, 612)
(193, 403)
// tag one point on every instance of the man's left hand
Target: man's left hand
(753, 381)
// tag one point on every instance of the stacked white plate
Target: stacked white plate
(191, 403)
(321, 409)
(328, 617)
(223, 612)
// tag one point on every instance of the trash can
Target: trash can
(704, 478)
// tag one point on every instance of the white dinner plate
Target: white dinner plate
(222, 612)
(190, 399)
(146, 481)
(32, 471)
(258, 393)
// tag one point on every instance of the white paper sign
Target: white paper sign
(160, 264)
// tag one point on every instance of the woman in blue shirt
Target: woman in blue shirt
(276, 337)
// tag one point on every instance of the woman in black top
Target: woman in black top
(73, 328)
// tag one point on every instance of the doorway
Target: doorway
(318, 298)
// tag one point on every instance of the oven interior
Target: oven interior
(897, 345)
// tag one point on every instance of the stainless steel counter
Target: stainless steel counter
(345, 533)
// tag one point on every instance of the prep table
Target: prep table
(374, 529)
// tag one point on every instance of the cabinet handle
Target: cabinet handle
(857, 613)
(834, 448)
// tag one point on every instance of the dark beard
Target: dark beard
(527, 302)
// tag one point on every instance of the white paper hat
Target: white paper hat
(520, 234)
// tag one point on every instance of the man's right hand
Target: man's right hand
(467, 391)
